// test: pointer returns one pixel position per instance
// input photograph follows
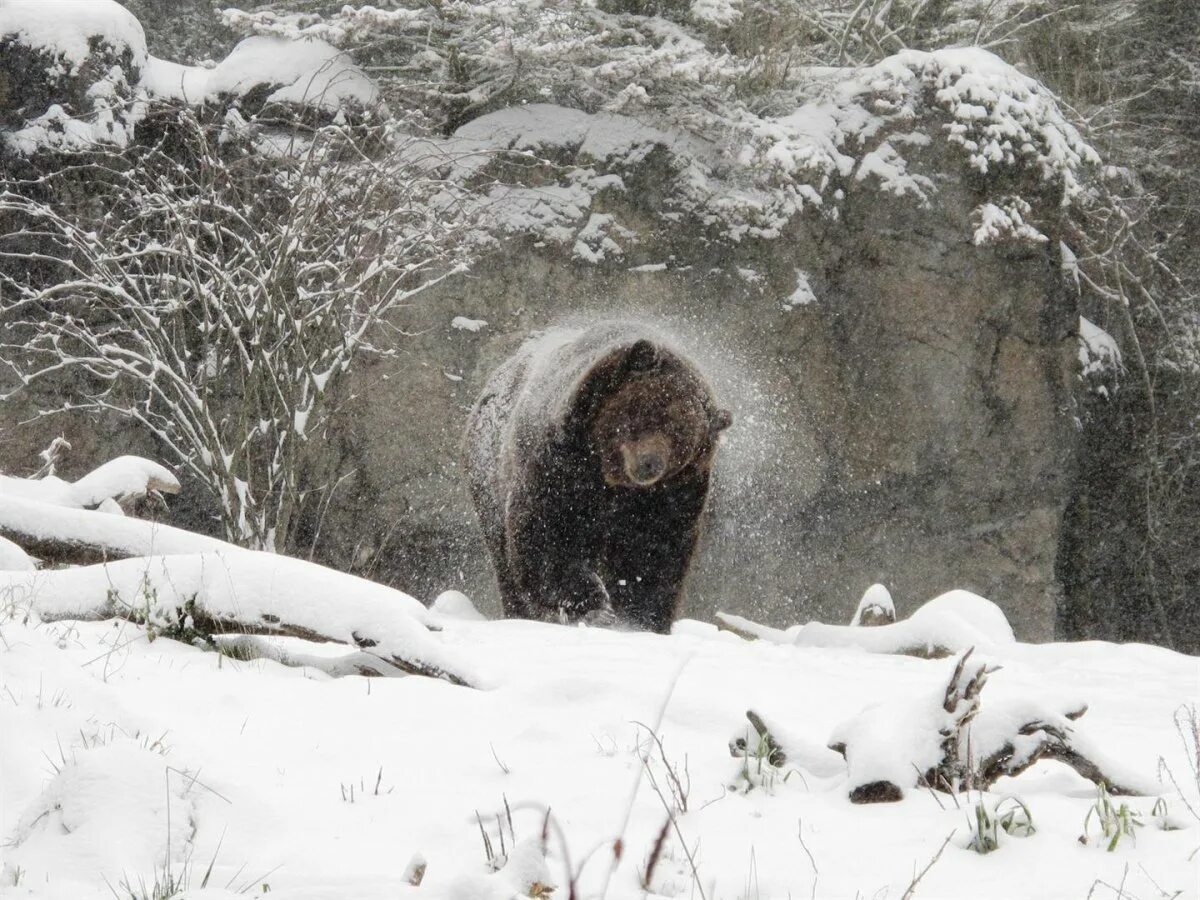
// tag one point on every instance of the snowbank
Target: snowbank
(273, 753)
(855, 130)
(112, 810)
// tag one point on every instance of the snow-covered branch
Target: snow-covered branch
(950, 740)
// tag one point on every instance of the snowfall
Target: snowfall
(128, 758)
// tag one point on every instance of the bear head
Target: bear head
(654, 418)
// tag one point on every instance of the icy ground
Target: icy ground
(114, 748)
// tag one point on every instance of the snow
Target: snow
(68, 33)
(1098, 350)
(852, 128)
(165, 80)
(456, 605)
(949, 623)
(716, 12)
(13, 558)
(106, 809)
(893, 740)
(876, 600)
(118, 535)
(309, 72)
(1007, 219)
(803, 294)
(269, 750)
(247, 586)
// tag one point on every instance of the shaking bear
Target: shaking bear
(589, 454)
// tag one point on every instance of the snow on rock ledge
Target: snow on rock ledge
(68, 74)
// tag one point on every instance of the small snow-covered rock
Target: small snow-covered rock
(875, 607)
(462, 323)
(456, 605)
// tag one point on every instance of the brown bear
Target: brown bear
(589, 454)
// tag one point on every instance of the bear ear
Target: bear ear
(721, 420)
(642, 356)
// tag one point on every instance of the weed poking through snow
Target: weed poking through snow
(1114, 822)
(1010, 815)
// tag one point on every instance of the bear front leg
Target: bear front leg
(552, 566)
(652, 542)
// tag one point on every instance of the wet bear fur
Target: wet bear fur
(589, 454)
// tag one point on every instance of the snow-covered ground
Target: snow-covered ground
(117, 753)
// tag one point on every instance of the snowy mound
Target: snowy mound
(13, 558)
(115, 808)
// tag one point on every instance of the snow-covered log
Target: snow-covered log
(59, 534)
(248, 592)
(253, 646)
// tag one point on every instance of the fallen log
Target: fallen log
(248, 593)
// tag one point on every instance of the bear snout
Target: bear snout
(645, 462)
